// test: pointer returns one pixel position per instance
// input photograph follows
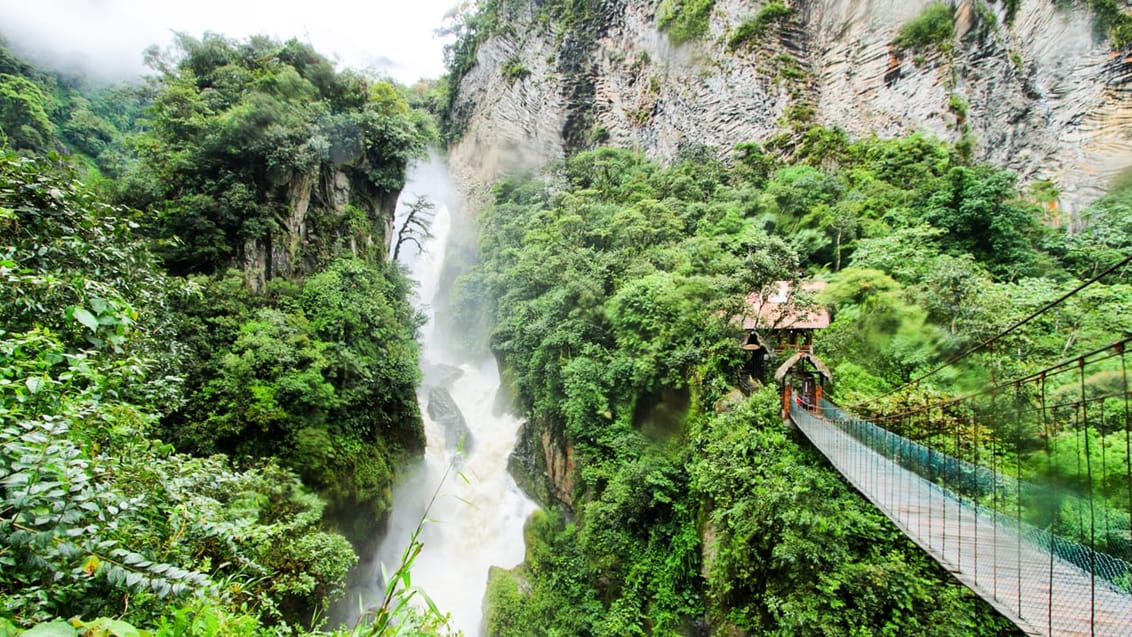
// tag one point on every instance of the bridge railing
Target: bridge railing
(972, 485)
(1047, 583)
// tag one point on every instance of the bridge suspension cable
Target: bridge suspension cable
(1022, 490)
(1093, 356)
(951, 361)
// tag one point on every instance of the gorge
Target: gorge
(236, 381)
(472, 511)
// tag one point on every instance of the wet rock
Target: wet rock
(440, 375)
(446, 413)
(542, 464)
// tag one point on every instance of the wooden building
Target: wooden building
(778, 326)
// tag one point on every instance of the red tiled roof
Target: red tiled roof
(776, 311)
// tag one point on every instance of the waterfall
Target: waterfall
(477, 520)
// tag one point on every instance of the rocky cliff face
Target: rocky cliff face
(1045, 96)
(338, 207)
(543, 464)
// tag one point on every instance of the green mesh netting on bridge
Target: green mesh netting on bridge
(977, 523)
(1033, 509)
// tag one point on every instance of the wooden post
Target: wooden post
(786, 400)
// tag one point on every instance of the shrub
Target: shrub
(958, 104)
(753, 28)
(514, 69)
(684, 20)
(1011, 10)
(1113, 21)
(935, 26)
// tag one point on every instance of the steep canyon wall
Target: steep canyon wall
(335, 206)
(1045, 95)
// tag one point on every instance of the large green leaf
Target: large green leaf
(57, 628)
(83, 315)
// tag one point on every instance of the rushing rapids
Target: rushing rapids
(476, 519)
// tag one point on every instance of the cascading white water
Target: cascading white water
(477, 520)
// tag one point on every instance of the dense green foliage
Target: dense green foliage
(318, 368)
(684, 20)
(321, 375)
(797, 553)
(514, 70)
(42, 111)
(790, 551)
(604, 291)
(163, 438)
(934, 27)
(1105, 237)
(289, 396)
(22, 114)
(98, 517)
(239, 130)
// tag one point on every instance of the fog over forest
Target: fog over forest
(106, 38)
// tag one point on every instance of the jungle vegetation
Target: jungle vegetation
(609, 283)
(183, 451)
(183, 439)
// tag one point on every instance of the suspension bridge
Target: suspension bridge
(1019, 569)
(1021, 490)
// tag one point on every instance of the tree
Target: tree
(23, 115)
(981, 212)
(415, 226)
(1104, 238)
(96, 517)
(241, 133)
(805, 205)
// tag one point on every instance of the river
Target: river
(476, 522)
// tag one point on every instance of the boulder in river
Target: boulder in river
(440, 375)
(444, 410)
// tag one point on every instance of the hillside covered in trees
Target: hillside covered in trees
(209, 365)
(611, 282)
(691, 152)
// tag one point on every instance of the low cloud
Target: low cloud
(106, 38)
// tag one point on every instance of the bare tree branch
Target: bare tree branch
(415, 228)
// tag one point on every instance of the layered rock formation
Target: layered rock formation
(543, 464)
(338, 207)
(1045, 96)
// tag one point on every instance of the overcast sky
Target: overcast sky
(107, 37)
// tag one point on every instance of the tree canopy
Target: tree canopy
(240, 132)
(190, 454)
(605, 288)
